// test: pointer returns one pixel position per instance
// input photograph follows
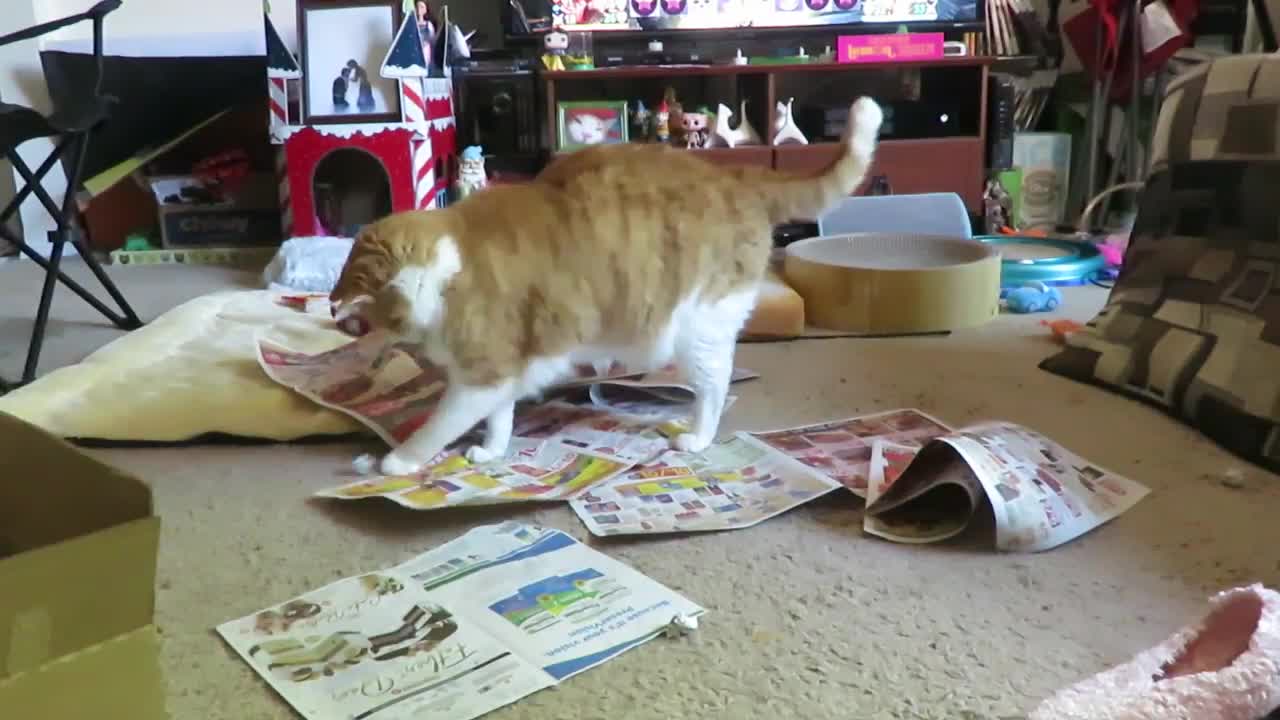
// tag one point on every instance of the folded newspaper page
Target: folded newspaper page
(667, 384)
(842, 449)
(474, 625)
(388, 387)
(733, 484)
(392, 388)
(1041, 494)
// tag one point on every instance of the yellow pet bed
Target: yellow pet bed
(192, 372)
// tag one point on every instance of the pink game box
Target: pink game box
(901, 47)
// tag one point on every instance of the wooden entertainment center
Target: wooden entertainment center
(935, 138)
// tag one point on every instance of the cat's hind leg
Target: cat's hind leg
(461, 408)
(704, 352)
(497, 435)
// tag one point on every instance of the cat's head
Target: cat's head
(396, 274)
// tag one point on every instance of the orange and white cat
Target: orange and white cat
(638, 254)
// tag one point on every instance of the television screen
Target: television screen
(724, 14)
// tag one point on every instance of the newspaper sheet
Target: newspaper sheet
(630, 438)
(1041, 494)
(474, 625)
(392, 388)
(530, 471)
(733, 484)
(842, 449)
(559, 451)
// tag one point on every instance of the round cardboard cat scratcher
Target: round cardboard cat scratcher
(880, 283)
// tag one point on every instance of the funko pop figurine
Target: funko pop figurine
(556, 44)
(696, 128)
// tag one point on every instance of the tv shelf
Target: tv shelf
(781, 69)
(934, 140)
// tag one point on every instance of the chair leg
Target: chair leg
(58, 239)
(75, 287)
(67, 232)
(127, 319)
(130, 320)
(70, 223)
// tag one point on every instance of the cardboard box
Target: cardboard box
(78, 542)
(249, 219)
(117, 201)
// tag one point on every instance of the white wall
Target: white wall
(471, 15)
(163, 27)
(22, 81)
(284, 16)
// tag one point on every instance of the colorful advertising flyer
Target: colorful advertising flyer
(734, 484)
(474, 625)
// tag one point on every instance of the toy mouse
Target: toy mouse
(1112, 254)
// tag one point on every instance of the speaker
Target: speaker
(1003, 98)
(498, 111)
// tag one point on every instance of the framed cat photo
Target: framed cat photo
(343, 44)
(583, 124)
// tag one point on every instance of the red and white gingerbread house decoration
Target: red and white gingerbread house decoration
(418, 152)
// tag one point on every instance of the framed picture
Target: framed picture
(343, 45)
(583, 124)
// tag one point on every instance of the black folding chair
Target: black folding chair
(71, 123)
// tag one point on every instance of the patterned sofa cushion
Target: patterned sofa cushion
(1193, 322)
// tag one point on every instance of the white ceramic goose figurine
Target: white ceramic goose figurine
(744, 134)
(787, 130)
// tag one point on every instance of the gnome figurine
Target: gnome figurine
(471, 172)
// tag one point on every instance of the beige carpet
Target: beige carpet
(809, 618)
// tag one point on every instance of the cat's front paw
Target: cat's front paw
(480, 454)
(689, 442)
(395, 464)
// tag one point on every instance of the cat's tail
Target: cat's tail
(805, 198)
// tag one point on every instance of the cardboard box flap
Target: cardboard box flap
(51, 492)
(59, 599)
(118, 679)
(78, 545)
